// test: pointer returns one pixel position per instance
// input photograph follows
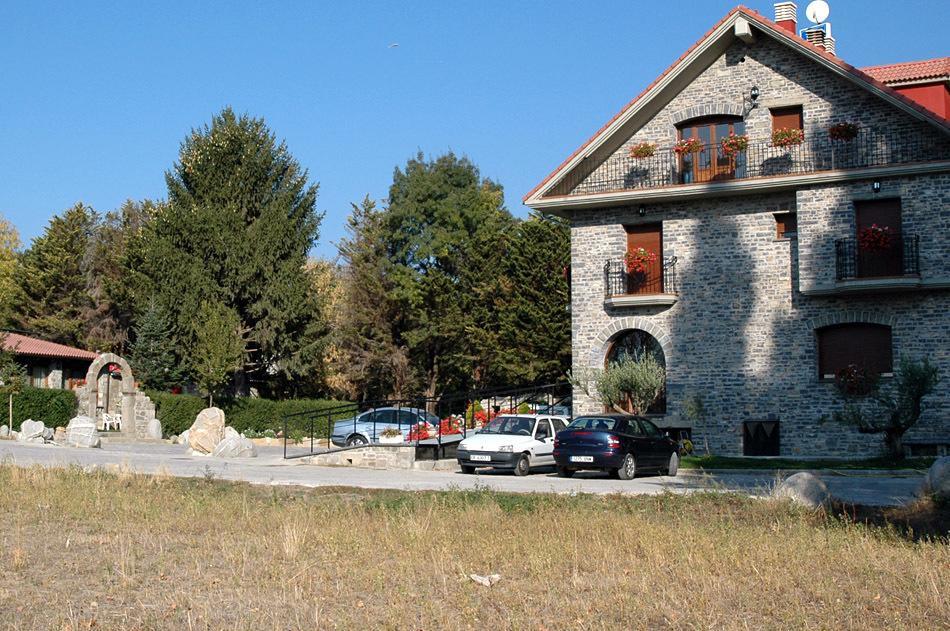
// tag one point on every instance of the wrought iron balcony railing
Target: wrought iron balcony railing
(760, 159)
(900, 256)
(658, 277)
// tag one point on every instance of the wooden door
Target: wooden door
(712, 163)
(882, 259)
(645, 277)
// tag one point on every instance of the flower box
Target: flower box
(786, 137)
(846, 131)
(875, 238)
(687, 146)
(734, 143)
(642, 150)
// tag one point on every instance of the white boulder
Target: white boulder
(937, 481)
(183, 439)
(4, 431)
(81, 432)
(31, 432)
(235, 446)
(154, 429)
(804, 489)
(207, 430)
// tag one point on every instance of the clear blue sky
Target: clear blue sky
(97, 96)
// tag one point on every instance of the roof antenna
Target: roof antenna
(820, 33)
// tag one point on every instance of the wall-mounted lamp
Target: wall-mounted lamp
(876, 186)
(754, 94)
(642, 211)
(751, 101)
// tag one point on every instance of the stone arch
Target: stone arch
(128, 390)
(849, 317)
(707, 109)
(605, 338)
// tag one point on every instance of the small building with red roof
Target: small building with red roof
(771, 223)
(48, 364)
(926, 82)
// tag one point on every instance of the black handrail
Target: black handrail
(899, 255)
(654, 278)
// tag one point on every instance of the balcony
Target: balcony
(711, 165)
(892, 266)
(656, 285)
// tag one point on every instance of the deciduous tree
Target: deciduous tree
(218, 348)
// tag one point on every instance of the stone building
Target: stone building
(762, 217)
(48, 364)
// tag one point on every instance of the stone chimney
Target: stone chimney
(786, 16)
(821, 37)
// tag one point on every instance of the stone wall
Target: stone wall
(741, 335)
(370, 457)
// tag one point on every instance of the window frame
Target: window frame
(856, 327)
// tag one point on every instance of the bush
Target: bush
(177, 412)
(53, 407)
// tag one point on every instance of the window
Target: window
(649, 428)
(543, 431)
(786, 225)
(589, 422)
(405, 417)
(558, 424)
(712, 163)
(787, 117)
(867, 346)
(648, 279)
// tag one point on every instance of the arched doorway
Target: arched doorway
(111, 390)
(634, 344)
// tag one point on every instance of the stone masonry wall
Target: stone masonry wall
(369, 457)
(741, 335)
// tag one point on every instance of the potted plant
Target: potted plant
(875, 238)
(734, 143)
(391, 436)
(642, 150)
(846, 131)
(786, 137)
(686, 146)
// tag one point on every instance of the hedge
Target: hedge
(53, 407)
(177, 412)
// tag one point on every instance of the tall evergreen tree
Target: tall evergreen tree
(9, 289)
(154, 358)
(51, 279)
(240, 219)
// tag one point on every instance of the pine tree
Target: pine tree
(51, 279)
(153, 357)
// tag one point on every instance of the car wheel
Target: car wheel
(523, 465)
(468, 470)
(356, 441)
(674, 465)
(628, 469)
(564, 472)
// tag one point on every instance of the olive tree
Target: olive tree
(630, 385)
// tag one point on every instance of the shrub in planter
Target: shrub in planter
(843, 131)
(786, 137)
(643, 150)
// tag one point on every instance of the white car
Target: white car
(512, 441)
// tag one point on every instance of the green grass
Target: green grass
(727, 462)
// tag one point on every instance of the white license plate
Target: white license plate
(582, 458)
(480, 458)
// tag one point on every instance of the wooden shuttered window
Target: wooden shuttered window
(786, 225)
(867, 346)
(787, 118)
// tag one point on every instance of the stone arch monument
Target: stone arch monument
(102, 395)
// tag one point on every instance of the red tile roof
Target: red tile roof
(775, 29)
(23, 345)
(911, 70)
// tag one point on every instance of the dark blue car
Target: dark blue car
(621, 445)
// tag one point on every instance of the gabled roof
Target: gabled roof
(938, 68)
(717, 34)
(33, 347)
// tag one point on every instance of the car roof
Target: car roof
(531, 416)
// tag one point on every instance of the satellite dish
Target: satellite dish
(817, 11)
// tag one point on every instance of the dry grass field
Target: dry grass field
(119, 551)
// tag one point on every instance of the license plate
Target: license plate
(481, 457)
(582, 458)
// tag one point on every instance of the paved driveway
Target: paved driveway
(271, 468)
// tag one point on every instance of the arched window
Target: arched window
(867, 346)
(633, 344)
(712, 163)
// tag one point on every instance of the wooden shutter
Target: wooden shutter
(787, 118)
(786, 224)
(868, 346)
(883, 212)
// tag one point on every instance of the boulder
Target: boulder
(230, 432)
(4, 431)
(804, 489)
(235, 446)
(207, 430)
(60, 435)
(154, 429)
(81, 432)
(31, 432)
(937, 481)
(173, 439)
(48, 433)
(183, 439)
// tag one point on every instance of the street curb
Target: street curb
(867, 473)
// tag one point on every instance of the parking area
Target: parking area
(270, 468)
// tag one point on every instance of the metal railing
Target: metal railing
(665, 167)
(658, 277)
(429, 423)
(899, 257)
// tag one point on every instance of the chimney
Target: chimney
(786, 16)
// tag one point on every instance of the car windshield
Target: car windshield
(509, 425)
(593, 423)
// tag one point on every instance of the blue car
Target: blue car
(365, 428)
(621, 445)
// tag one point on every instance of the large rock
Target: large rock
(4, 431)
(207, 430)
(937, 481)
(48, 433)
(60, 435)
(154, 429)
(81, 432)
(804, 489)
(31, 432)
(235, 446)
(183, 439)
